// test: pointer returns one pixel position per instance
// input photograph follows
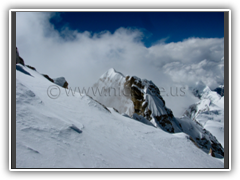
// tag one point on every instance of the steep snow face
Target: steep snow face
(78, 132)
(109, 90)
(131, 95)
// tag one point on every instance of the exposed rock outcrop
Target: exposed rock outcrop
(201, 137)
(144, 94)
(61, 81)
(33, 68)
(47, 77)
(209, 142)
(220, 90)
(18, 58)
(208, 112)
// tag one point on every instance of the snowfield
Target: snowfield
(78, 132)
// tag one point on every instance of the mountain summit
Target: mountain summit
(135, 97)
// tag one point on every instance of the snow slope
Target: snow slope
(109, 90)
(134, 96)
(78, 132)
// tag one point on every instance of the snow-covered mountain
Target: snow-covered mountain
(140, 99)
(202, 91)
(209, 110)
(57, 130)
(132, 96)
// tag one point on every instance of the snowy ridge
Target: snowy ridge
(111, 92)
(126, 86)
(78, 132)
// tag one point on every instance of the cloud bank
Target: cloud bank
(192, 60)
(82, 57)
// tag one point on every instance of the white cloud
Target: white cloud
(83, 57)
(192, 60)
(209, 72)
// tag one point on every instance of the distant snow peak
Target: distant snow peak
(111, 72)
(197, 90)
(202, 91)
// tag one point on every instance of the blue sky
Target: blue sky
(156, 26)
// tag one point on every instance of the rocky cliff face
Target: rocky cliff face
(19, 60)
(135, 96)
(220, 90)
(148, 102)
